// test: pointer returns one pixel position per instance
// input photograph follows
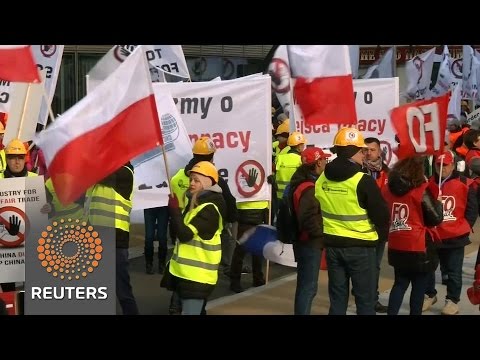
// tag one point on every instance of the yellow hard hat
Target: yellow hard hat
(296, 138)
(284, 127)
(205, 168)
(204, 146)
(2, 129)
(15, 147)
(349, 136)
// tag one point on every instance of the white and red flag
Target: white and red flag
(323, 86)
(114, 123)
(17, 64)
(420, 126)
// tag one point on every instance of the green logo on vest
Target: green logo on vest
(334, 190)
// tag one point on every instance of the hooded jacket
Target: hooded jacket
(206, 222)
(369, 198)
(432, 211)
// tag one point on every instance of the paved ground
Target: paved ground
(276, 298)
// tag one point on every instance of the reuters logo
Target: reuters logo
(69, 250)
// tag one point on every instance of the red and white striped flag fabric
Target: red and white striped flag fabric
(323, 86)
(17, 64)
(111, 125)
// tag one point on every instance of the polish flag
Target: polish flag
(17, 64)
(114, 123)
(323, 86)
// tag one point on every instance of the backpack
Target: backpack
(287, 224)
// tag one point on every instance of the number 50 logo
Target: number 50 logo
(420, 126)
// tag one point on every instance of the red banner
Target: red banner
(420, 126)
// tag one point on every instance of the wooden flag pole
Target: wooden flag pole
(25, 103)
(162, 147)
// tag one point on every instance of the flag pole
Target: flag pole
(166, 168)
(49, 106)
(394, 62)
(24, 110)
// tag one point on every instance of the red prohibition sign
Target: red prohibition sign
(242, 172)
(21, 237)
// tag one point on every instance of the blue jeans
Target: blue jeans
(156, 219)
(402, 280)
(192, 306)
(308, 268)
(359, 265)
(123, 287)
(452, 261)
(380, 251)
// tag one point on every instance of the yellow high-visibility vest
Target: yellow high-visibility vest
(198, 259)
(342, 215)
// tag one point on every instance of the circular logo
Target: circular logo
(457, 68)
(48, 50)
(279, 71)
(14, 225)
(352, 135)
(122, 51)
(386, 151)
(249, 178)
(170, 130)
(69, 250)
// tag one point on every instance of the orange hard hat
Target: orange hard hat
(15, 147)
(296, 138)
(349, 136)
(205, 168)
(204, 146)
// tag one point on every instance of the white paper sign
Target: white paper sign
(20, 202)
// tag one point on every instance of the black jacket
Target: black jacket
(432, 211)
(369, 198)
(309, 214)
(122, 182)
(206, 222)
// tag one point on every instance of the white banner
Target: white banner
(419, 74)
(20, 202)
(445, 77)
(150, 186)
(5, 95)
(471, 65)
(48, 57)
(22, 120)
(279, 70)
(373, 100)
(236, 115)
(168, 58)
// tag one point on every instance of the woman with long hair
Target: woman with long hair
(193, 268)
(413, 208)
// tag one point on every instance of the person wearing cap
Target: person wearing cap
(412, 207)
(3, 161)
(456, 136)
(460, 211)
(353, 210)
(287, 163)
(204, 150)
(15, 153)
(377, 169)
(280, 145)
(193, 268)
(108, 206)
(308, 248)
